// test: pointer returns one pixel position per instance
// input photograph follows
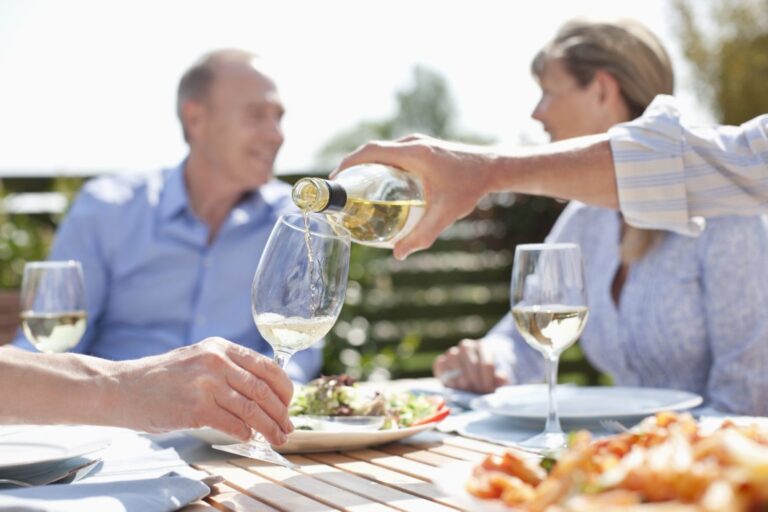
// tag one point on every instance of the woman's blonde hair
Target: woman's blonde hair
(635, 57)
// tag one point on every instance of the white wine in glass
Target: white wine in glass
(549, 308)
(53, 314)
(296, 297)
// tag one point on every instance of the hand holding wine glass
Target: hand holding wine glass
(549, 308)
(296, 297)
(53, 309)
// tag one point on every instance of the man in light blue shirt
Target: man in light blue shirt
(169, 257)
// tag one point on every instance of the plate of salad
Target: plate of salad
(326, 410)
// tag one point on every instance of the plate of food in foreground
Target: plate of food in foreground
(668, 462)
(335, 413)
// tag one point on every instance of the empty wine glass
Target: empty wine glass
(53, 314)
(296, 297)
(549, 308)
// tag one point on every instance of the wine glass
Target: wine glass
(53, 314)
(549, 308)
(296, 297)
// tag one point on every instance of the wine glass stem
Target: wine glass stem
(281, 358)
(553, 421)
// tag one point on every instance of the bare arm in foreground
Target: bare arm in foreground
(213, 383)
(456, 176)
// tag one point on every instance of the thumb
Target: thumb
(423, 235)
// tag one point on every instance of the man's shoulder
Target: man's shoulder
(119, 190)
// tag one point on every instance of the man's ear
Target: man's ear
(193, 115)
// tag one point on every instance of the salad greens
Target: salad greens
(341, 396)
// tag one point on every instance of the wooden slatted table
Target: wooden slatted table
(384, 478)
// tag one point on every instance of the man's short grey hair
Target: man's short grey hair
(196, 81)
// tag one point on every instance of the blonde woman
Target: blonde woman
(666, 310)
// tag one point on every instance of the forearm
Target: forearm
(580, 169)
(54, 388)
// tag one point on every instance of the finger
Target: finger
(263, 368)
(438, 366)
(487, 368)
(423, 234)
(413, 137)
(257, 390)
(446, 369)
(230, 424)
(252, 414)
(394, 153)
(470, 365)
(367, 153)
(460, 381)
(500, 379)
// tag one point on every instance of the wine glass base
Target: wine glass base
(545, 443)
(258, 451)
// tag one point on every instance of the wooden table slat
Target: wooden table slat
(263, 489)
(454, 452)
(226, 498)
(312, 487)
(396, 463)
(476, 445)
(423, 455)
(376, 491)
(486, 448)
(386, 476)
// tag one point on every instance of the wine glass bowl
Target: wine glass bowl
(53, 309)
(549, 309)
(297, 294)
(299, 287)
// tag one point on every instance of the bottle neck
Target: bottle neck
(317, 195)
(337, 199)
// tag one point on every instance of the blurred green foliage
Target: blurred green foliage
(729, 54)
(27, 237)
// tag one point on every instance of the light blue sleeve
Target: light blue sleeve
(520, 362)
(733, 255)
(670, 175)
(78, 238)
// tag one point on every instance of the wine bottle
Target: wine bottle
(377, 204)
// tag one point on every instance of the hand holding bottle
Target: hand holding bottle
(455, 177)
(376, 204)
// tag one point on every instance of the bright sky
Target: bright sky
(90, 84)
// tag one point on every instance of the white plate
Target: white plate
(16, 453)
(309, 441)
(583, 404)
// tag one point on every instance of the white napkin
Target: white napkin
(157, 494)
(135, 475)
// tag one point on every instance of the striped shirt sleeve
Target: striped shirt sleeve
(671, 176)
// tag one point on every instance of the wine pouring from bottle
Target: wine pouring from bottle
(377, 204)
